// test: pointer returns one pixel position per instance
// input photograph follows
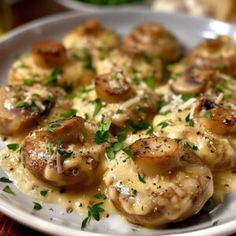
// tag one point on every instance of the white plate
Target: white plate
(189, 30)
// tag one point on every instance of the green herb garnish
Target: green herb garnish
(37, 206)
(98, 106)
(100, 196)
(5, 180)
(70, 113)
(102, 134)
(140, 126)
(44, 193)
(189, 121)
(8, 190)
(163, 124)
(150, 81)
(93, 213)
(141, 178)
(13, 146)
(52, 79)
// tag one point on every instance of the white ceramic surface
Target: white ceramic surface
(189, 30)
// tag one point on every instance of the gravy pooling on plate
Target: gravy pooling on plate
(108, 125)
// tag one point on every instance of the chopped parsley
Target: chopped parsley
(5, 180)
(208, 115)
(186, 97)
(44, 193)
(8, 190)
(189, 121)
(52, 79)
(140, 126)
(113, 149)
(150, 130)
(100, 196)
(102, 134)
(127, 150)
(141, 178)
(13, 146)
(191, 147)
(163, 124)
(161, 103)
(93, 213)
(70, 113)
(87, 59)
(63, 153)
(150, 81)
(22, 104)
(37, 206)
(29, 82)
(98, 106)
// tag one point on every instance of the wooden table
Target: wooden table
(25, 11)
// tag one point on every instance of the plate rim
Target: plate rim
(45, 226)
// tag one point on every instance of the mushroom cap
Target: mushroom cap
(49, 53)
(193, 81)
(152, 39)
(113, 87)
(215, 117)
(213, 53)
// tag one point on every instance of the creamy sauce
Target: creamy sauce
(71, 198)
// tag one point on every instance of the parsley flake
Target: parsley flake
(37, 206)
(13, 146)
(189, 121)
(5, 180)
(70, 113)
(100, 196)
(44, 193)
(93, 213)
(8, 190)
(141, 178)
(163, 124)
(102, 134)
(52, 79)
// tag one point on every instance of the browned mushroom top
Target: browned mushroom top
(90, 27)
(218, 54)
(21, 107)
(113, 87)
(158, 155)
(215, 117)
(49, 53)
(152, 39)
(193, 81)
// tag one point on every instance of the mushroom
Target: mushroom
(214, 117)
(164, 183)
(22, 106)
(155, 155)
(113, 87)
(218, 54)
(63, 154)
(153, 40)
(90, 27)
(193, 81)
(49, 53)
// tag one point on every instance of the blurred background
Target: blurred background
(16, 12)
